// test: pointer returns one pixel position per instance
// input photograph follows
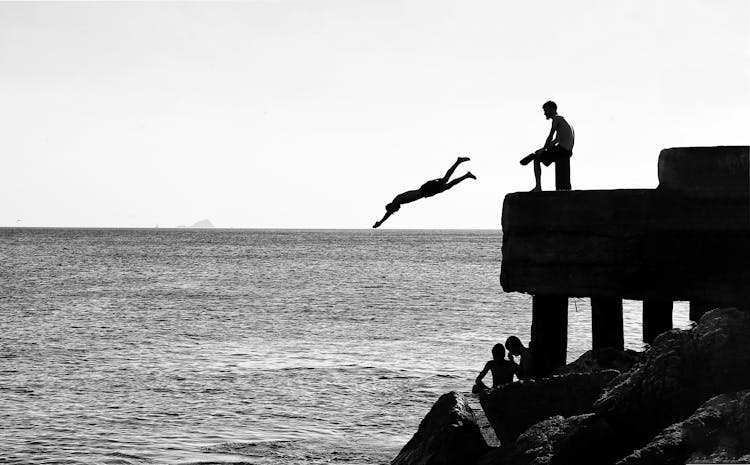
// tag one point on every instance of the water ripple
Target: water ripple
(296, 347)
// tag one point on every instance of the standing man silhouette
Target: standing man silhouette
(558, 148)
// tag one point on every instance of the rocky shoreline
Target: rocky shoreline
(685, 400)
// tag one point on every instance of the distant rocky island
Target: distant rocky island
(202, 224)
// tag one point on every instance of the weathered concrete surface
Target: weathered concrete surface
(488, 433)
(512, 408)
(632, 244)
(549, 331)
(714, 171)
(657, 318)
(448, 435)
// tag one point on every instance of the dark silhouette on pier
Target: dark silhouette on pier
(558, 148)
(428, 189)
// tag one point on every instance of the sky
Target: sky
(316, 113)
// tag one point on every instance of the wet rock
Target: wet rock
(607, 358)
(682, 370)
(448, 435)
(514, 407)
(718, 431)
(538, 444)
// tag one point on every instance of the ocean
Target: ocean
(180, 346)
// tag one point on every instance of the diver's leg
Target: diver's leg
(457, 180)
(450, 171)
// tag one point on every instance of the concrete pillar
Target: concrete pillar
(699, 307)
(657, 318)
(549, 332)
(606, 323)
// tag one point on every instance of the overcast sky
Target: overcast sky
(316, 113)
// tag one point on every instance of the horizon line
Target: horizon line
(149, 228)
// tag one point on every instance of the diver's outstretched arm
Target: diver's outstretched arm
(385, 217)
(395, 205)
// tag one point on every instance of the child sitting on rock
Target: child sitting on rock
(502, 370)
(525, 367)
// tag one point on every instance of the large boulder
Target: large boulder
(513, 407)
(448, 435)
(607, 358)
(682, 370)
(718, 430)
(537, 445)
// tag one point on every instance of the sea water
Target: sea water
(246, 346)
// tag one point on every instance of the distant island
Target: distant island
(202, 224)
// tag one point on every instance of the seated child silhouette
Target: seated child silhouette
(502, 370)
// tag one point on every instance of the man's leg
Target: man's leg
(457, 180)
(450, 171)
(537, 175)
(562, 174)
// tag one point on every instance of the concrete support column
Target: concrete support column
(549, 332)
(606, 323)
(657, 318)
(699, 307)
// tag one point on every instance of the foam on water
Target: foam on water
(183, 346)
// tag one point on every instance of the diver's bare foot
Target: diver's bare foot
(462, 159)
(469, 175)
(536, 189)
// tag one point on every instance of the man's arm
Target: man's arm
(552, 132)
(527, 365)
(518, 371)
(483, 372)
(385, 217)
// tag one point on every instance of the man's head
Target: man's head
(498, 352)
(550, 109)
(392, 207)
(514, 346)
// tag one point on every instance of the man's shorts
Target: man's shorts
(431, 188)
(554, 154)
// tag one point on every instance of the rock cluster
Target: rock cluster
(686, 400)
(718, 431)
(448, 435)
(514, 407)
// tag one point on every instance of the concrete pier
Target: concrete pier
(549, 332)
(606, 323)
(657, 318)
(687, 240)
